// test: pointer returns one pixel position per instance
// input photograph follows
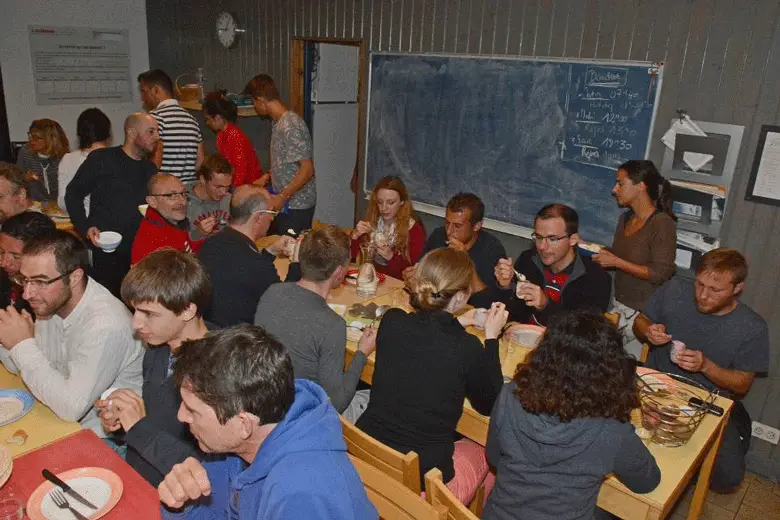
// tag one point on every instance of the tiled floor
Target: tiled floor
(756, 499)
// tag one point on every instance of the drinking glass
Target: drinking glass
(11, 509)
(367, 252)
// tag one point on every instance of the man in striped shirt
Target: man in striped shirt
(180, 151)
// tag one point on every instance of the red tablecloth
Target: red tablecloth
(83, 449)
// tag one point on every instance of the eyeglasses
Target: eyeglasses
(552, 240)
(172, 195)
(269, 211)
(36, 283)
(34, 137)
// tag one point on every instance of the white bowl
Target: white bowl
(109, 241)
(527, 335)
(338, 308)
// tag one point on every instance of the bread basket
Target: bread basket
(186, 92)
(668, 412)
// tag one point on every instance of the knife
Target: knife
(51, 477)
(707, 407)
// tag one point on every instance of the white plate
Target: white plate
(338, 308)
(93, 489)
(100, 486)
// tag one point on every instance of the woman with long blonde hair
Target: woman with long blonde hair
(393, 226)
(40, 158)
(427, 364)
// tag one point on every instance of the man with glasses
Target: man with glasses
(209, 209)
(239, 271)
(16, 232)
(82, 343)
(165, 223)
(115, 180)
(556, 276)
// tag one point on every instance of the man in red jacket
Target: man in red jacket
(165, 222)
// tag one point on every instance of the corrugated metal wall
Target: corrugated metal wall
(722, 63)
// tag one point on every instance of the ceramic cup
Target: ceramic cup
(676, 350)
(109, 241)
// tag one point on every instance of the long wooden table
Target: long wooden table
(678, 465)
(41, 424)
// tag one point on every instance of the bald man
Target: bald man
(165, 223)
(116, 180)
(240, 272)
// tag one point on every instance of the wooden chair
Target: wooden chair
(404, 469)
(437, 494)
(613, 318)
(392, 499)
(643, 355)
(318, 224)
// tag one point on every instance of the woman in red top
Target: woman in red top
(393, 226)
(220, 115)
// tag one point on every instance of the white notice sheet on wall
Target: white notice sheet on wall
(76, 65)
(767, 183)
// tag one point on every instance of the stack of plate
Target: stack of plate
(6, 464)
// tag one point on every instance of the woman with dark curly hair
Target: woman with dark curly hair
(563, 424)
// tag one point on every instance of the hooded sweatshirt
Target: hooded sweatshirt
(300, 471)
(552, 470)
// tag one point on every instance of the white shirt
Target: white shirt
(71, 361)
(69, 165)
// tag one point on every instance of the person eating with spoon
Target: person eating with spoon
(552, 276)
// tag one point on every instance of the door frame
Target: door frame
(297, 93)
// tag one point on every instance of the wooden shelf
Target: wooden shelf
(196, 106)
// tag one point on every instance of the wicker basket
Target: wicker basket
(186, 92)
(666, 410)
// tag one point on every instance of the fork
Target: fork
(60, 501)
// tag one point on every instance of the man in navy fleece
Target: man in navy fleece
(283, 454)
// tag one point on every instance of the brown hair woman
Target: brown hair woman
(394, 227)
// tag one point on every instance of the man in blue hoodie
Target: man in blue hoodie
(283, 454)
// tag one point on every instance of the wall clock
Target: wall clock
(227, 30)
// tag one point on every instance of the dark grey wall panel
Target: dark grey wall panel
(722, 63)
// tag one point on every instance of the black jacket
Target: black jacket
(588, 287)
(426, 364)
(240, 274)
(159, 440)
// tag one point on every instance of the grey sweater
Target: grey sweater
(315, 337)
(550, 470)
(198, 209)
